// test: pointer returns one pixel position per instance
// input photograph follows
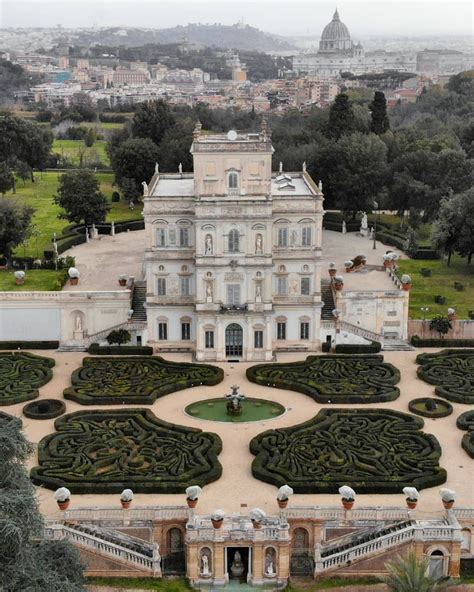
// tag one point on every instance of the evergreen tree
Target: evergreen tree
(378, 109)
(7, 180)
(80, 196)
(15, 226)
(341, 117)
(135, 159)
(151, 120)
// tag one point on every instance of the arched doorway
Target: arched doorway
(234, 340)
(174, 563)
(302, 562)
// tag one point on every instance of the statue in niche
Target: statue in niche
(208, 245)
(258, 244)
(270, 569)
(78, 323)
(209, 291)
(258, 292)
(237, 568)
(204, 565)
(294, 237)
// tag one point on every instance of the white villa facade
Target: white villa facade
(233, 263)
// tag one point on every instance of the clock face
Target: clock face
(232, 135)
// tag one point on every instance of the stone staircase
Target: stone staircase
(138, 302)
(396, 345)
(328, 300)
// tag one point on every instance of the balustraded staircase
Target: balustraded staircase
(328, 300)
(138, 302)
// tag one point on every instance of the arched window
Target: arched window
(234, 241)
(233, 180)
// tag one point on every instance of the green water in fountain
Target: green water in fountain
(253, 410)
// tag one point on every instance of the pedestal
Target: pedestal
(78, 335)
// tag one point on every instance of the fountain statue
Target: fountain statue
(237, 568)
(234, 398)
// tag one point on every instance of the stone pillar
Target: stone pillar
(219, 340)
(219, 570)
(455, 560)
(283, 570)
(192, 562)
(258, 562)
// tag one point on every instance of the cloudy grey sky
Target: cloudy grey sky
(404, 17)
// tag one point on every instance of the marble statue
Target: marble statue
(209, 291)
(145, 188)
(280, 168)
(294, 237)
(258, 292)
(180, 169)
(270, 571)
(204, 565)
(364, 225)
(157, 168)
(304, 166)
(208, 245)
(237, 568)
(258, 244)
(344, 227)
(320, 185)
(78, 323)
(372, 232)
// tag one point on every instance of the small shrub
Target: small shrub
(115, 196)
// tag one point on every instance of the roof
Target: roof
(335, 30)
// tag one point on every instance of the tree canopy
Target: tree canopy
(81, 199)
(15, 225)
(152, 120)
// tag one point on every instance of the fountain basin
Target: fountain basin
(252, 410)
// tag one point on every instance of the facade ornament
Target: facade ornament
(208, 290)
(197, 130)
(180, 168)
(280, 168)
(265, 129)
(208, 250)
(157, 168)
(258, 244)
(344, 227)
(258, 292)
(145, 188)
(78, 323)
(204, 565)
(320, 185)
(304, 166)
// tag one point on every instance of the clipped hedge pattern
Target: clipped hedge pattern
(119, 350)
(372, 450)
(358, 348)
(452, 371)
(466, 422)
(137, 379)
(29, 344)
(419, 407)
(107, 451)
(44, 409)
(333, 378)
(419, 342)
(21, 375)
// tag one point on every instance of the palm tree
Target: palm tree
(407, 574)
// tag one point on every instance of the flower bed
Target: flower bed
(137, 379)
(430, 407)
(21, 375)
(466, 422)
(109, 451)
(452, 371)
(44, 409)
(333, 378)
(372, 450)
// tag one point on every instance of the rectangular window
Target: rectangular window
(258, 339)
(305, 286)
(281, 330)
(161, 287)
(185, 331)
(185, 282)
(306, 236)
(282, 286)
(160, 237)
(233, 294)
(184, 237)
(304, 330)
(162, 331)
(283, 237)
(209, 339)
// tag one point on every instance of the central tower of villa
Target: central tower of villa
(233, 258)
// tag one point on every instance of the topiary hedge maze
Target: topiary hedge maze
(466, 422)
(137, 379)
(21, 375)
(44, 409)
(373, 451)
(452, 370)
(107, 451)
(433, 408)
(333, 378)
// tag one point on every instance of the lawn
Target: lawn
(39, 195)
(92, 156)
(440, 282)
(36, 279)
(174, 585)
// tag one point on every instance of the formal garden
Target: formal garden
(466, 422)
(333, 378)
(374, 450)
(452, 371)
(107, 451)
(21, 375)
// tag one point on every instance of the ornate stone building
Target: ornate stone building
(233, 262)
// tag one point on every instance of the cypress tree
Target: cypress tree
(378, 108)
(341, 117)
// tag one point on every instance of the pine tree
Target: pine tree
(378, 109)
(341, 117)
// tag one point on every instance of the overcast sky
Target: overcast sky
(404, 17)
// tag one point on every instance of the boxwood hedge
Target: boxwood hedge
(371, 450)
(29, 344)
(432, 408)
(135, 379)
(108, 451)
(466, 422)
(120, 350)
(44, 409)
(452, 371)
(333, 378)
(21, 375)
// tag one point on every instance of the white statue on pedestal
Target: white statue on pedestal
(208, 245)
(180, 168)
(258, 244)
(344, 227)
(258, 292)
(209, 291)
(78, 323)
(204, 565)
(145, 188)
(364, 225)
(157, 168)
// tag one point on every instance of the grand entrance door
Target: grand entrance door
(234, 341)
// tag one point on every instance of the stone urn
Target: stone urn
(63, 498)
(283, 496)
(406, 282)
(126, 498)
(19, 278)
(348, 496)
(338, 283)
(217, 519)
(347, 503)
(332, 270)
(411, 503)
(448, 498)
(282, 503)
(448, 504)
(192, 495)
(73, 274)
(122, 280)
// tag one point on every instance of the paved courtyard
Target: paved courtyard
(237, 490)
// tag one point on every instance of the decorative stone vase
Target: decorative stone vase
(388, 263)
(64, 505)
(256, 525)
(411, 503)
(282, 503)
(74, 281)
(19, 281)
(406, 287)
(338, 287)
(217, 523)
(122, 281)
(348, 504)
(448, 504)
(192, 503)
(126, 504)
(332, 272)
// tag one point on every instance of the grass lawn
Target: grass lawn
(70, 150)
(174, 585)
(441, 282)
(39, 195)
(36, 279)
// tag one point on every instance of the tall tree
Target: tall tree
(28, 561)
(378, 109)
(341, 117)
(152, 120)
(15, 226)
(448, 226)
(7, 180)
(81, 199)
(135, 159)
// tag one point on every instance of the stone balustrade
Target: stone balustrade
(236, 528)
(146, 513)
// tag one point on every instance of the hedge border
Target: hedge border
(418, 342)
(5, 345)
(48, 364)
(448, 408)
(71, 394)
(466, 422)
(260, 471)
(391, 395)
(353, 348)
(102, 486)
(442, 390)
(120, 350)
(29, 409)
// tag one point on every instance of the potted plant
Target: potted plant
(363, 259)
(348, 265)
(63, 497)
(217, 518)
(451, 314)
(19, 277)
(122, 279)
(257, 517)
(411, 496)
(74, 275)
(283, 495)
(192, 495)
(332, 269)
(338, 282)
(406, 282)
(348, 496)
(448, 497)
(126, 498)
